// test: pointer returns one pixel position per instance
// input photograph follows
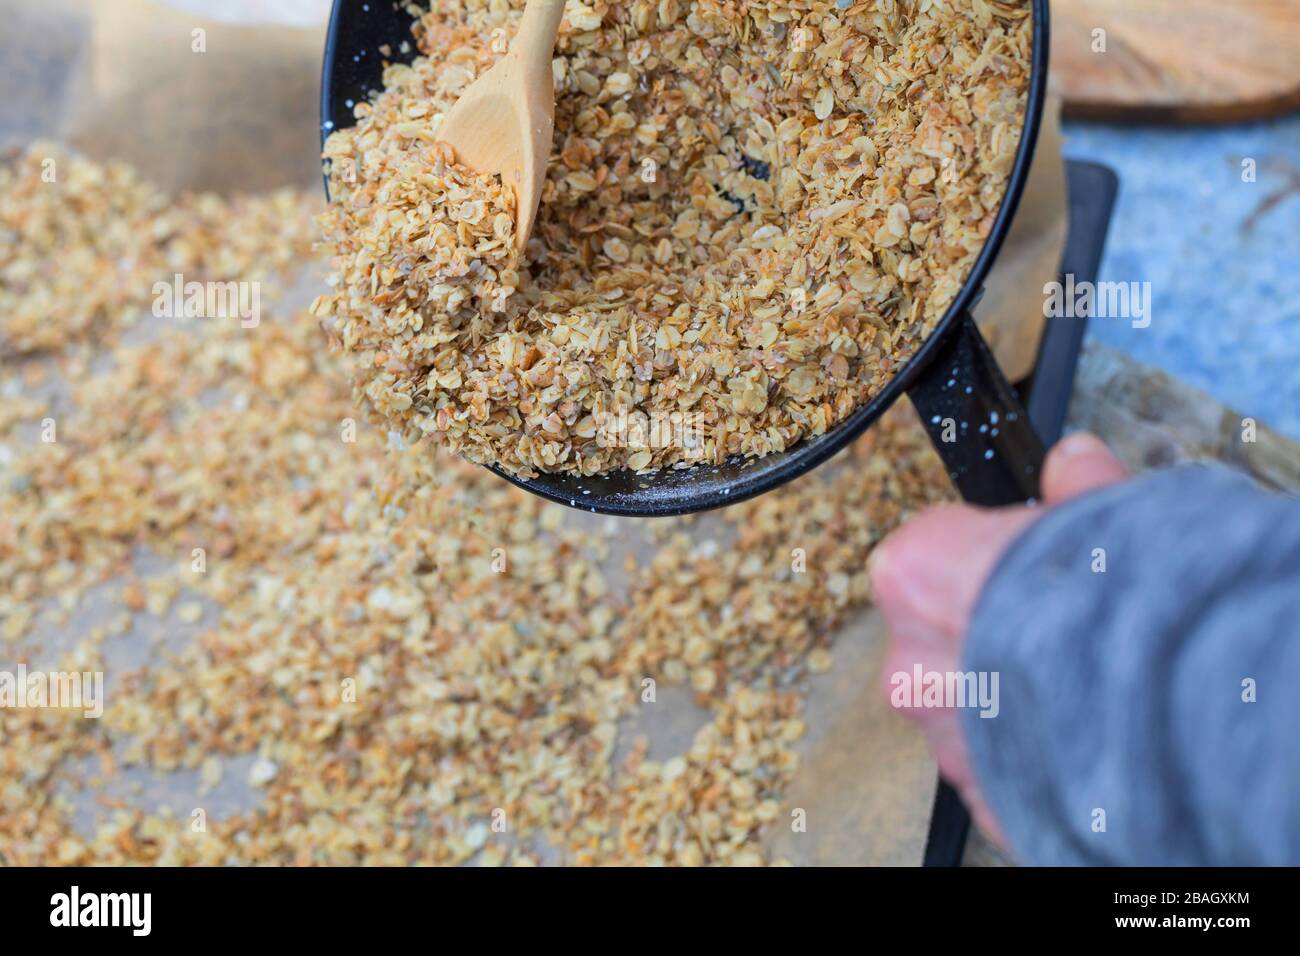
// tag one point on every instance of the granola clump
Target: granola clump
(753, 216)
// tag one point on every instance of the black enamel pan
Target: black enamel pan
(991, 450)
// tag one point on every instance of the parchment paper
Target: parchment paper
(229, 108)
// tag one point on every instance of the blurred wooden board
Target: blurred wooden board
(1152, 420)
(1177, 61)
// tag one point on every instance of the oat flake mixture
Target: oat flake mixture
(389, 651)
(754, 213)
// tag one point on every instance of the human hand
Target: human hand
(927, 578)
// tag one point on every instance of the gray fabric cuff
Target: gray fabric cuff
(1122, 736)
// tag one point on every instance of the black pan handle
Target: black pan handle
(985, 438)
(977, 423)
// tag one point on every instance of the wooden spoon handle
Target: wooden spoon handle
(535, 41)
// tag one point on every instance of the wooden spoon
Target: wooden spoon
(502, 122)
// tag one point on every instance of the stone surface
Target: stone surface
(1222, 256)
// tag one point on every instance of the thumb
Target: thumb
(1077, 465)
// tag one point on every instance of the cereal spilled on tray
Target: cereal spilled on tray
(333, 655)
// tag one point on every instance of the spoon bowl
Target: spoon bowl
(502, 123)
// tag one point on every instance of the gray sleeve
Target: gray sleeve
(1162, 691)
